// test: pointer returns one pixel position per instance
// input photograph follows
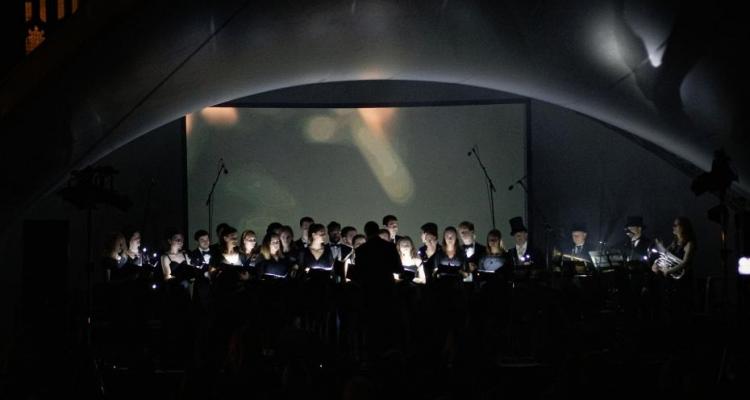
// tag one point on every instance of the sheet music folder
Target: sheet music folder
(609, 259)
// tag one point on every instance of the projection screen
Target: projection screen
(352, 165)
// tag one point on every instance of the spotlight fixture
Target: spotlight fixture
(743, 266)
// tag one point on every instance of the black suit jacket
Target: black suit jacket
(638, 253)
(535, 261)
(196, 256)
(377, 261)
(479, 252)
(584, 251)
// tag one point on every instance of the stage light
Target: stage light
(321, 129)
(220, 116)
(189, 124)
(743, 266)
(153, 286)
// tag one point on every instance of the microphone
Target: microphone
(223, 167)
(471, 150)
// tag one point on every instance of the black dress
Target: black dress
(115, 267)
(448, 297)
(318, 285)
(273, 269)
(449, 268)
(183, 273)
(408, 273)
(178, 334)
(249, 264)
(320, 269)
(427, 261)
(677, 293)
(276, 297)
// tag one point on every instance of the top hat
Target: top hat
(579, 228)
(634, 220)
(516, 225)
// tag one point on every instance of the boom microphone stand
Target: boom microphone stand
(547, 227)
(210, 201)
(488, 183)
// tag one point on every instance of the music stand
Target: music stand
(607, 260)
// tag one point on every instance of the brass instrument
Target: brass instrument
(668, 260)
(570, 257)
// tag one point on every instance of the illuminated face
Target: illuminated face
(349, 237)
(135, 241)
(249, 241)
(404, 247)
(493, 242)
(676, 228)
(392, 228)
(579, 238)
(275, 244)
(385, 236)
(360, 241)
(176, 242)
(319, 236)
(204, 242)
(521, 238)
(231, 239)
(450, 237)
(467, 236)
(635, 231)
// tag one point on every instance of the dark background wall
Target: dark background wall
(581, 171)
(44, 273)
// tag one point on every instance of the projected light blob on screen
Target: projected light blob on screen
(356, 164)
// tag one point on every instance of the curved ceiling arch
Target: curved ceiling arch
(587, 56)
